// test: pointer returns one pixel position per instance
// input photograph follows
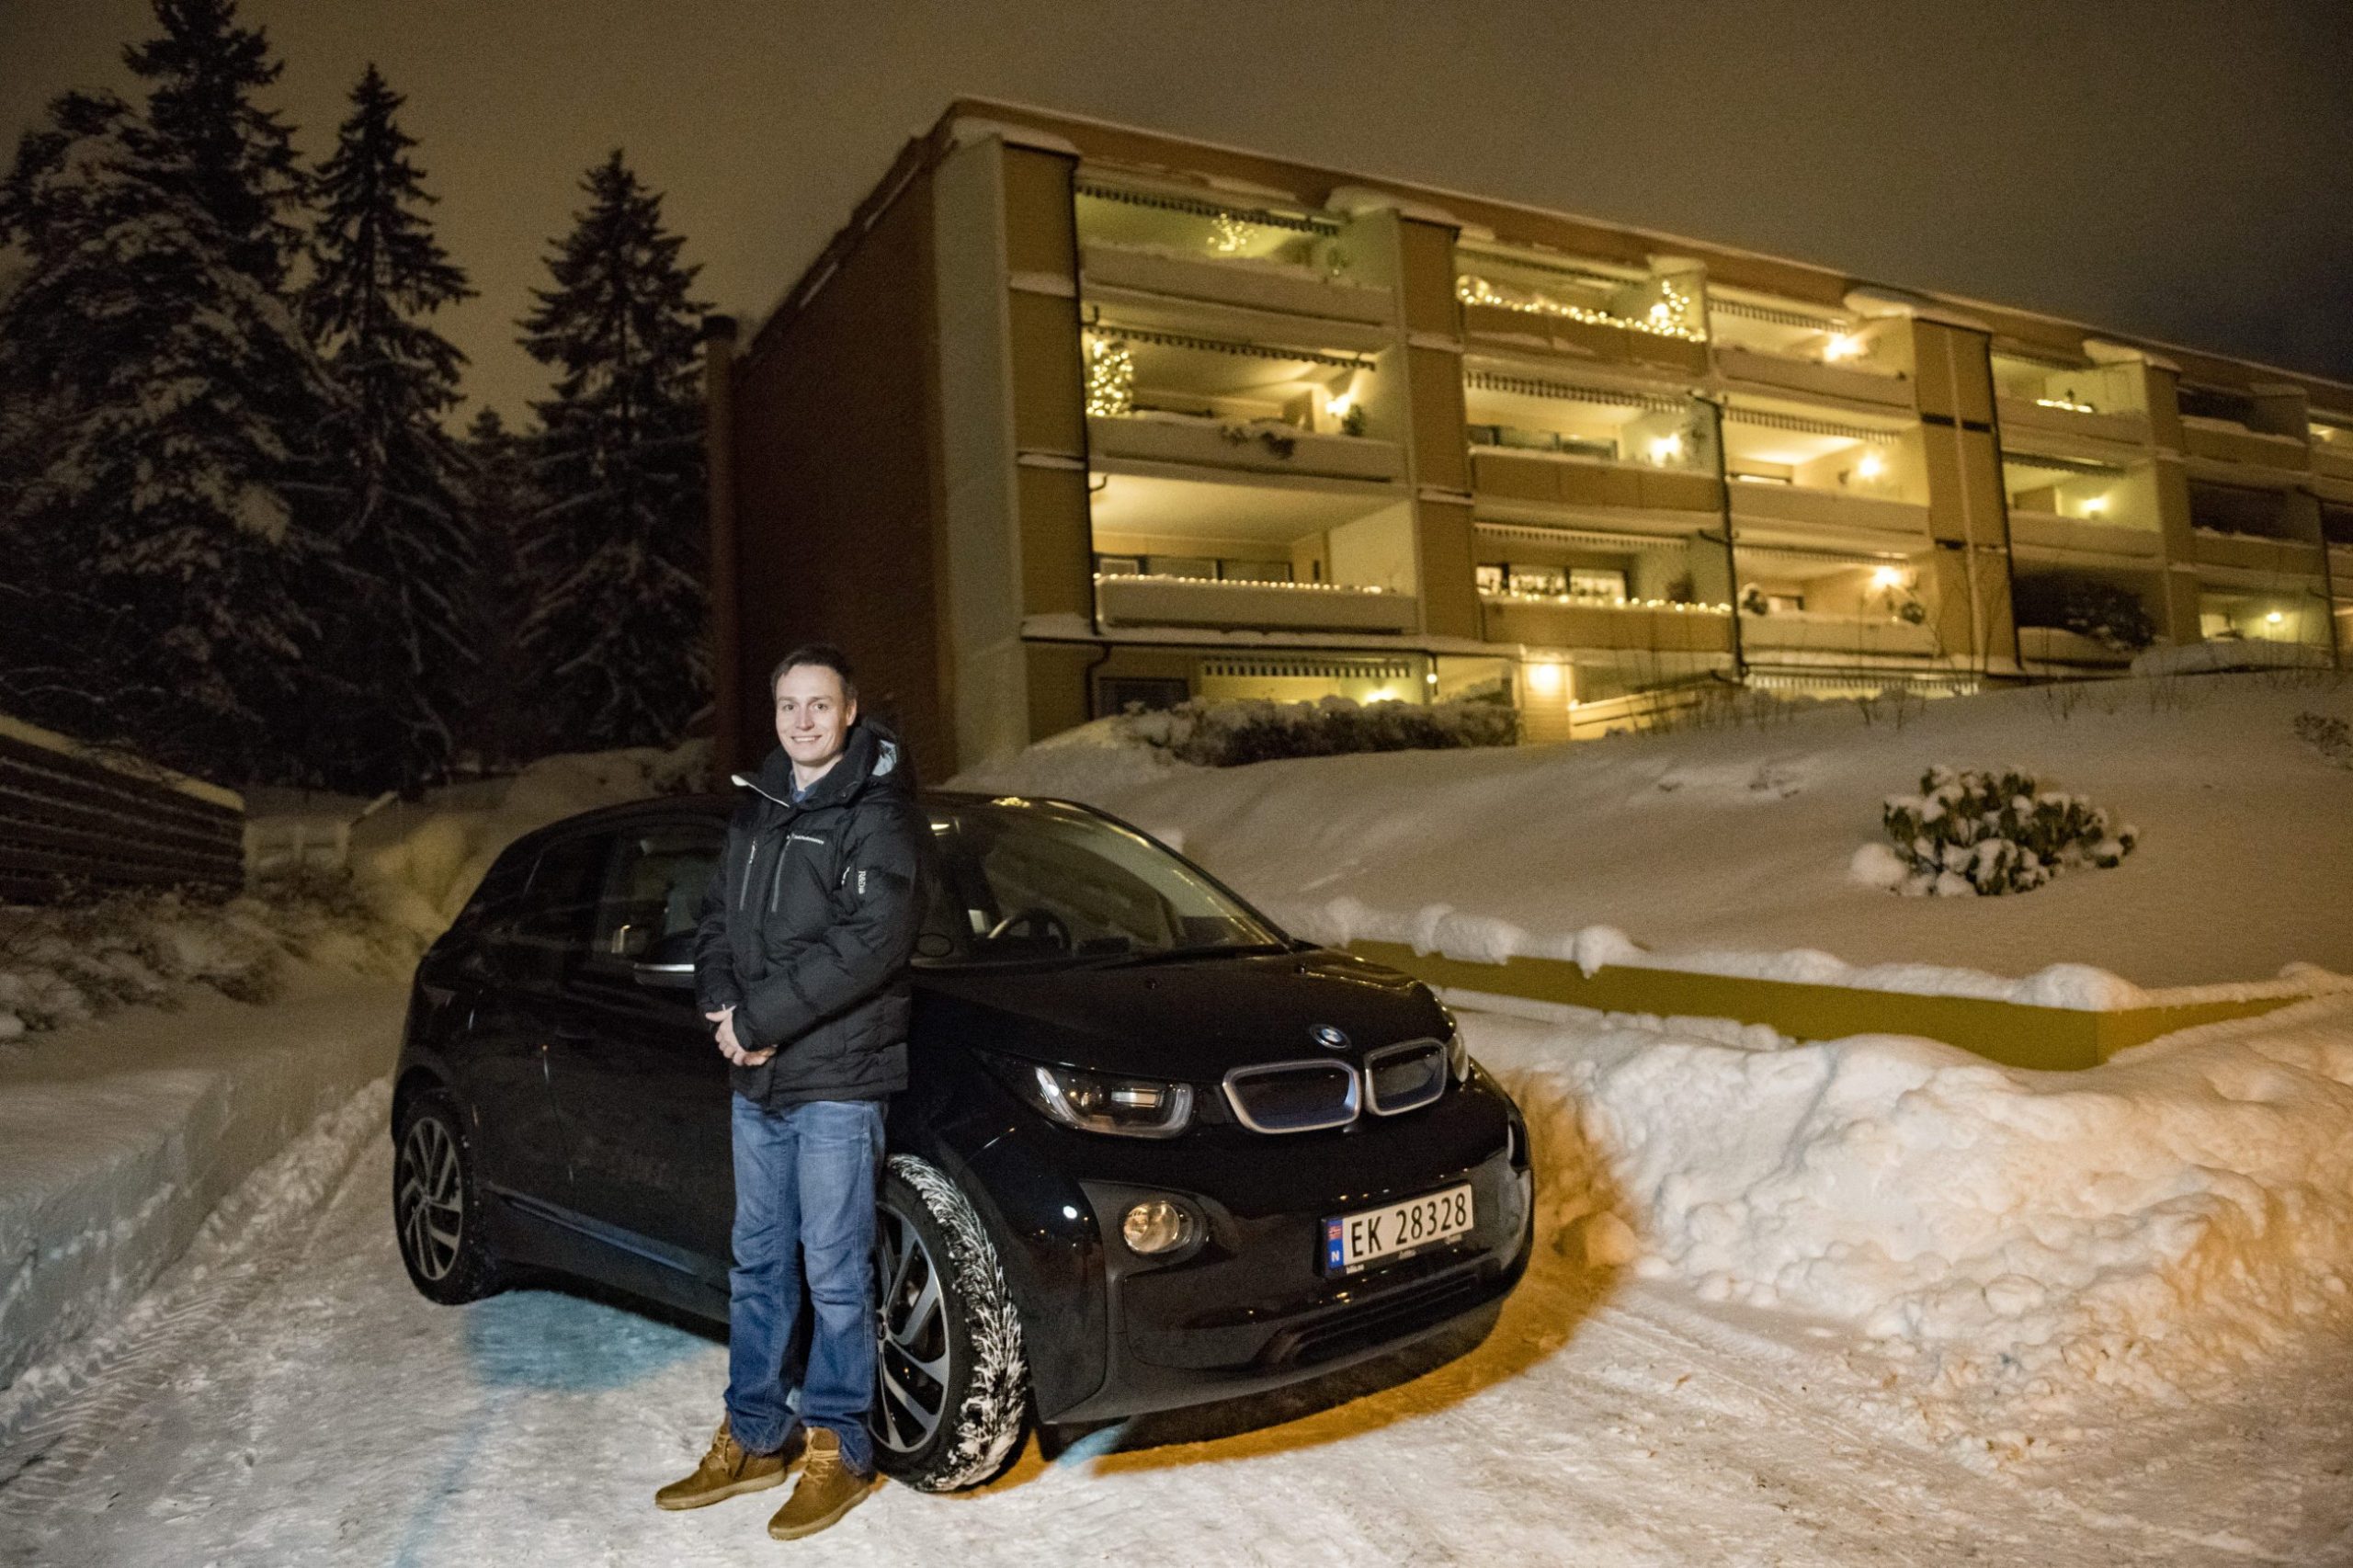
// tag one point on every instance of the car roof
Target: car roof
(721, 804)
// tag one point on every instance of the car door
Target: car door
(640, 1085)
(519, 1010)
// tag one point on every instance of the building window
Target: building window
(1536, 579)
(1590, 583)
(1490, 579)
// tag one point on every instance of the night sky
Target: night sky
(2180, 171)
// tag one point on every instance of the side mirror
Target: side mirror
(664, 976)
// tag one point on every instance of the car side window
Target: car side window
(652, 892)
(550, 927)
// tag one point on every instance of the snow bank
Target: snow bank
(118, 1139)
(2012, 1240)
(2229, 654)
(1442, 928)
(419, 864)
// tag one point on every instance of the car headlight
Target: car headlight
(1458, 1054)
(1102, 1102)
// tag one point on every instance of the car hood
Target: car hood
(1191, 1019)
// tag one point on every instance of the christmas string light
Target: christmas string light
(1110, 377)
(1666, 318)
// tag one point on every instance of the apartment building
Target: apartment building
(1073, 415)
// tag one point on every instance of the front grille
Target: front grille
(1294, 1096)
(1386, 1317)
(1404, 1077)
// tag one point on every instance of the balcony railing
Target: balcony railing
(1292, 288)
(1801, 632)
(2048, 531)
(1834, 508)
(1262, 446)
(1816, 376)
(1562, 620)
(2058, 413)
(1130, 600)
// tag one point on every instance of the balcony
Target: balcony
(1544, 479)
(2227, 442)
(2106, 402)
(1254, 446)
(2061, 417)
(1778, 507)
(2048, 531)
(2255, 552)
(1589, 311)
(1192, 602)
(1251, 283)
(2057, 645)
(1814, 378)
(1558, 621)
(1800, 631)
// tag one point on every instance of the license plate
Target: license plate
(1396, 1229)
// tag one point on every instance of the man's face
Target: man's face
(812, 718)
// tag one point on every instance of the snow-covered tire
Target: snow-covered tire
(952, 1387)
(436, 1216)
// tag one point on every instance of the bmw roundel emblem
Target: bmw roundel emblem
(1330, 1037)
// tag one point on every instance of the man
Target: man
(800, 963)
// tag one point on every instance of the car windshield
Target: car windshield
(1031, 880)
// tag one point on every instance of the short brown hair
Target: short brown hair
(823, 654)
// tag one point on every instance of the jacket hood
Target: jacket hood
(873, 761)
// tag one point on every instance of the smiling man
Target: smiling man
(800, 966)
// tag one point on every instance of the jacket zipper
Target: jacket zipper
(754, 859)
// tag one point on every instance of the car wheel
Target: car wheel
(436, 1216)
(952, 1387)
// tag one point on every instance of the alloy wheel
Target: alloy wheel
(911, 1335)
(430, 1208)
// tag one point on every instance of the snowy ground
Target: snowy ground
(284, 1396)
(1869, 1300)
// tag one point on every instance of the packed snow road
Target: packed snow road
(283, 1396)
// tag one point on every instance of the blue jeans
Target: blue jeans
(804, 1186)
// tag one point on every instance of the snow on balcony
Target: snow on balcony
(2226, 440)
(1263, 445)
(1123, 599)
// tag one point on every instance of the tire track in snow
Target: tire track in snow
(58, 1417)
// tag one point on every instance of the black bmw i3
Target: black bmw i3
(1154, 1152)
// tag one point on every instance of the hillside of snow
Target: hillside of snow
(1744, 838)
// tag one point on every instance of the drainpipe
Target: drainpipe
(2327, 588)
(719, 462)
(1723, 508)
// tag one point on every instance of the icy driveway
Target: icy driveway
(284, 1396)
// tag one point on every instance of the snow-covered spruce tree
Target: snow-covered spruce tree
(401, 536)
(497, 722)
(231, 157)
(615, 555)
(150, 530)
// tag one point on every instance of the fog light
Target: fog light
(1156, 1226)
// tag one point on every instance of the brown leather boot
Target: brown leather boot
(726, 1471)
(828, 1489)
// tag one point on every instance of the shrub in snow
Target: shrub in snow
(2332, 738)
(1976, 831)
(1229, 733)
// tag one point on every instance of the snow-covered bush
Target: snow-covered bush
(2332, 738)
(1229, 734)
(66, 964)
(1977, 831)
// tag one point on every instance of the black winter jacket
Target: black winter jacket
(808, 926)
